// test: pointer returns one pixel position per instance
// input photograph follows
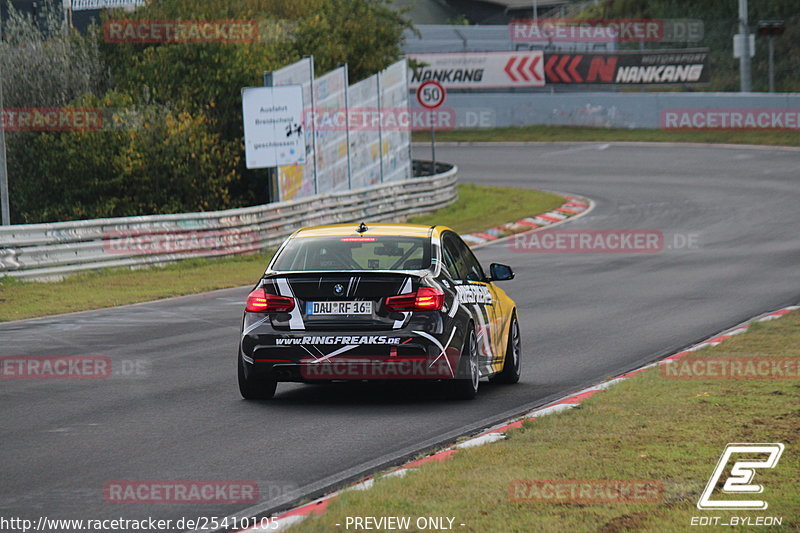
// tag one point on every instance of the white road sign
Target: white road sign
(273, 126)
(738, 45)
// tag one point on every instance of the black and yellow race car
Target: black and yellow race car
(378, 302)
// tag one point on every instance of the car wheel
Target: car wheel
(466, 387)
(253, 387)
(511, 365)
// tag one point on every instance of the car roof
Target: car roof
(377, 229)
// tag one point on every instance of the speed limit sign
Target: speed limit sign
(431, 94)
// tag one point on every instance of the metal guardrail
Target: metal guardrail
(50, 251)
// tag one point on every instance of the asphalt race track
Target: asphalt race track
(584, 317)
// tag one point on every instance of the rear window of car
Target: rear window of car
(354, 253)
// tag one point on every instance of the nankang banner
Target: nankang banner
(634, 67)
(478, 70)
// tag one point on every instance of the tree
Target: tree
(141, 162)
(172, 140)
(45, 64)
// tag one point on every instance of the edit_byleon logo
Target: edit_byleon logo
(740, 479)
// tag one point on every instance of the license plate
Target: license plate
(339, 308)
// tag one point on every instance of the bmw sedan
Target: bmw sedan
(380, 302)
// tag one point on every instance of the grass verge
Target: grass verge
(120, 286)
(648, 427)
(480, 207)
(477, 208)
(574, 133)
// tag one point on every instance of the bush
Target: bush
(46, 65)
(142, 162)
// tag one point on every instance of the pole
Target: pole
(66, 6)
(6, 219)
(4, 208)
(744, 59)
(772, 63)
(380, 125)
(347, 125)
(642, 89)
(433, 146)
(313, 114)
(272, 172)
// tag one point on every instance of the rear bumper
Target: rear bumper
(357, 370)
(410, 353)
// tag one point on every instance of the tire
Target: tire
(252, 387)
(511, 364)
(467, 388)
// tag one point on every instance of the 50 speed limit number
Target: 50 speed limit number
(431, 94)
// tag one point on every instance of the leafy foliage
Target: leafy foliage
(45, 65)
(143, 161)
(180, 148)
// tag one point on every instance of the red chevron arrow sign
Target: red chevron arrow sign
(524, 68)
(485, 70)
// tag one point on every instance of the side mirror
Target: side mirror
(500, 272)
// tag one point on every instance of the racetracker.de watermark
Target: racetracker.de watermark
(354, 119)
(606, 30)
(180, 31)
(221, 241)
(585, 491)
(731, 119)
(731, 367)
(71, 367)
(52, 118)
(181, 492)
(55, 367)
(587, 31)
(379, 119)
(149, 523)
(389, 368)
(620, 241)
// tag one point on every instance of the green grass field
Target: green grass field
(478, 208)
(645, 428)
(578, 134)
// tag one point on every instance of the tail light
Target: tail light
(425, 299)
(259, 301)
